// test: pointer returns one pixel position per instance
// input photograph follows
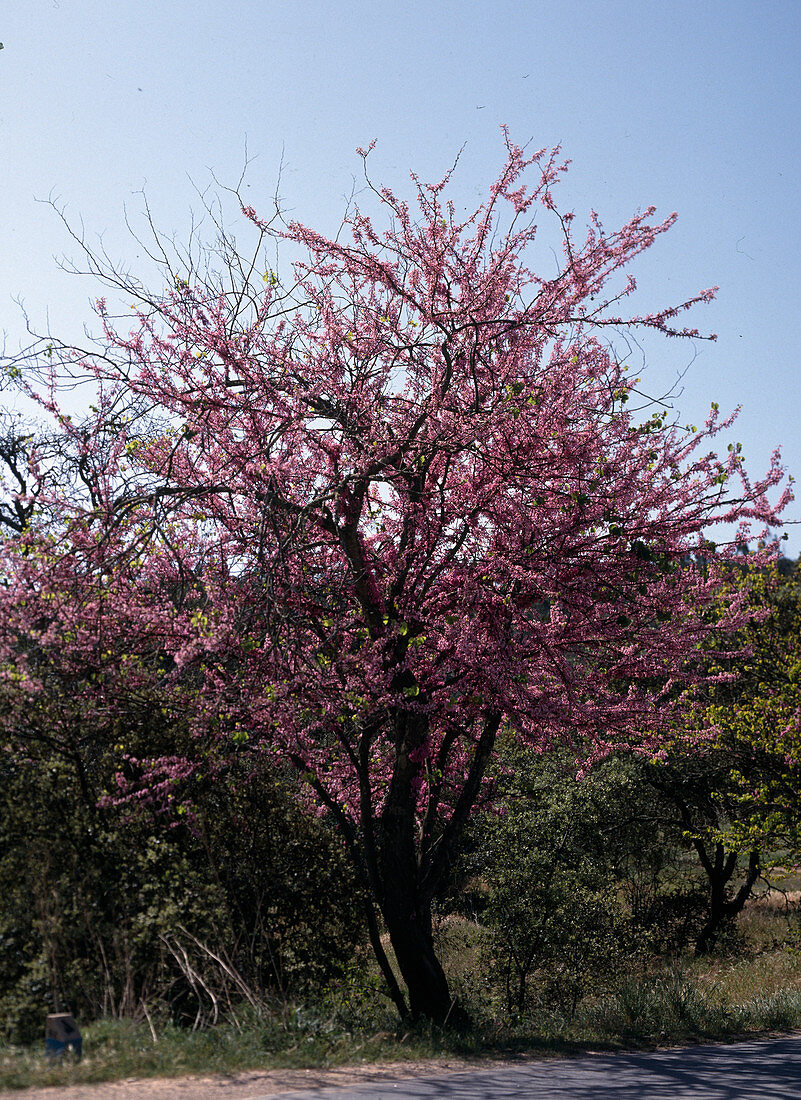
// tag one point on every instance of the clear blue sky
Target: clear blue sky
(692, 105)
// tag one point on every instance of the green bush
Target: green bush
(108, 913)
(575, 879)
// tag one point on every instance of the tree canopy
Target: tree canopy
(361, 515)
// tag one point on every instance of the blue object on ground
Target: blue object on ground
(62, 1035)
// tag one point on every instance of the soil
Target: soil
(239, 1086)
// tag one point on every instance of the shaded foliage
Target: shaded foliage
(576, 878)
(128, 917)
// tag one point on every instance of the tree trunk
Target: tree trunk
(410, 936)
(404, 874)
(722, 909)
(405, 902)
(407, 913)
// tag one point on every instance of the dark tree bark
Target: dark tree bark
(722, 909)
(405, 905)
(406, 867)
(412, 941)
(699, 812)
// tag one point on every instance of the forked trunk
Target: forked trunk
(410, 936)
(405, 903)
(723, 910)
(405, 877)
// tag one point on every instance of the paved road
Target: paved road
(758, 1070)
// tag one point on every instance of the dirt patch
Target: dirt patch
(239, 1086)
(775, 899)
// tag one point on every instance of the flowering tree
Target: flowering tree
(365, 519)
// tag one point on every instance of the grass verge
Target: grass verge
(693, 1001)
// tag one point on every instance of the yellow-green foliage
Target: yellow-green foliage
(758, 718)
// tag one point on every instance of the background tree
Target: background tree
(380, 510)
(576, 880)
(757, 716)
(736, 795)
(699, 789)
